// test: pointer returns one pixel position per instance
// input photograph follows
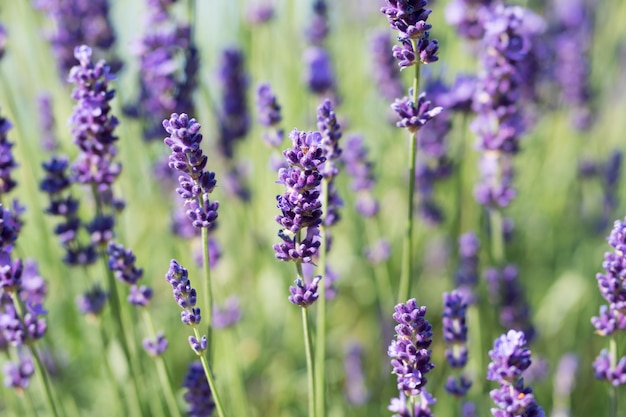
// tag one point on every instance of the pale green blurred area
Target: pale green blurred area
(558, 254)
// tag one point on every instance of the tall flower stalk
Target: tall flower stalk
(612, 319)
(196, 184)
(301, 217)
(409, 19)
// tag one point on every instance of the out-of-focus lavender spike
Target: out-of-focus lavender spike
(269, 115)
(355, 390)
(7, 162)
(3, 40)
(17, 376)
(198, 395)
(506, 292)
(156, 347)
(169, 64)
(466, 276)
(259, 14)
(319, 75)
(234, 118)
(228, 315)
(49, 140)
(92, 301)
(78, 23)
(467, 17)
(385, 72)
(317, 30)
(360, 169)
(571, 42)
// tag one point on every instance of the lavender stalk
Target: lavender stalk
(409, 19)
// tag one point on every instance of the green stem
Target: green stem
(309, 361)
(121, 333)
(239, 397)
(407, 252)
(209, 376)
(43, 377)
(614, 398)
(497, 236)
(208, 299)
(164, 376)
(320, 352)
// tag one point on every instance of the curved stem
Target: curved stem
(309, 361)
(320, 352)
(209, 376)
(43, 375)
(407, 252)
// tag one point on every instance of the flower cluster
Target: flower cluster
(500, 122)
(304, 294)
(318, 29)
(93, 132)
(269, 115)
(79, 23)
(228, 315)
(195, 183)
(455, 336)
(409, 19)
(612, 317)
(410, 357)
(509, 359)
(122, 263)
(414, 115)
(300, 204)
(198, 395)
(7, 162)
(165, 84)
(319, 75)
(186, 296)
(467, 17)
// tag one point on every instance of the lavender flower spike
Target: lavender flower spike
(198, 395)
(7, 163)
(409, 352)
(509, 359)
(195, 183)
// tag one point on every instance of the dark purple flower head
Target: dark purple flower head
(304, 294)
(603, 368)
(408, 17)
(156, 347)
(234, 119)
(410, 357)
(468, 17)
(413, 116)
(7, 163)
(198, 395)
(420, 408)
(455, 328)
(515, 400)
(267, 106)
(92, 301)
(196, 183)
(78, 23)
(122, 262)
(18, 375)
(33, 288)
(319, 75)
(10, 274)
(509, 358)
(140, 296)
(198, 346)
(466, 276)
(458, 387)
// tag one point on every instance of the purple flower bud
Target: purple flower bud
(302, 294)
(227, 316)
(413, 116)
(319, 75)
(17, 376)
(198, 346)
(140, 295)
(92, 301)
(122, 262)
(156, 347)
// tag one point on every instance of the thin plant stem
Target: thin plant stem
(407, 253)
(613, 395)
(208, 299)
(497, 236)
(240, 399)
(164, 376)
(209, 376)
(107, 367)
(320, 350)
(121, 333)
(309, 361)
(381, 273)
(45, 383)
